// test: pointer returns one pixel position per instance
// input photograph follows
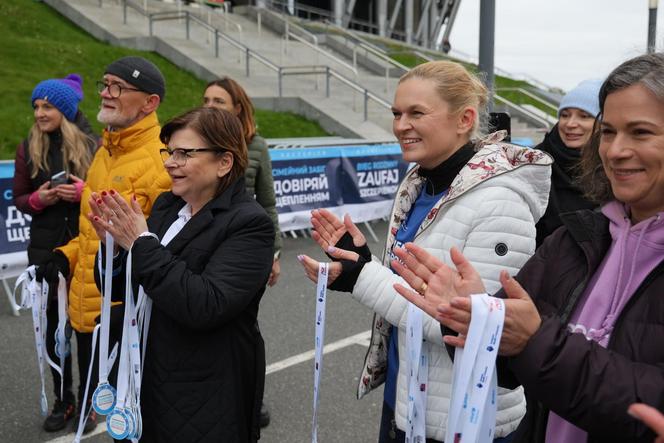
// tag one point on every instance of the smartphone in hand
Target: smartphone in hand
(61, 178)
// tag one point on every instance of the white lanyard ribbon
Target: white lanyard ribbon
(35, 295)
(104, 396)
(472, 416)
(321, 295)
(417, 367)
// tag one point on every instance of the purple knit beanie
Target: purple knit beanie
(63, 93)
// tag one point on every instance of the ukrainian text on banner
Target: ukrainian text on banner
(14, 227)
(358, 180)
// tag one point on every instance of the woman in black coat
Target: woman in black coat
(205, 360)
(576, 117)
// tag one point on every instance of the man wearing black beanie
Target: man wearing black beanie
(129, 163)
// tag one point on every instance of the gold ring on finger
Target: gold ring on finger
(423, 288)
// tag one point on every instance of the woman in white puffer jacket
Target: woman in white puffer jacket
(483, 197)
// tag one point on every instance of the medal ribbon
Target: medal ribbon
(472, 416)
(321, 295)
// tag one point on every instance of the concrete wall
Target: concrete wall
(305, 108)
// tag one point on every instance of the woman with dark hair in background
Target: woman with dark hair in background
(203, 257)
(576, 118)
(60, 141)
(225, 93)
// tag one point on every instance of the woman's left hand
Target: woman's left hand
(522, 319)
(70, 192)
(126, 222)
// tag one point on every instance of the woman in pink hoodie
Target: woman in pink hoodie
(584, 318)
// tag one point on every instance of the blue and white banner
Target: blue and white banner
(14, 227)
(358, 180)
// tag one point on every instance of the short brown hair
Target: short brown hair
(239, 97)
(646, 70)
(221, 130)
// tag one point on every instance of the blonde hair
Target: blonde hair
(76, 155)
(458, 87)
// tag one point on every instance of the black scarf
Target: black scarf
(440, 177)
(564, 169)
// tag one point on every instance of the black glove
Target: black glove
(350, 272)
(49, 268)
(346, 242)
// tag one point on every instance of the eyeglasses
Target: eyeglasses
(114, 89)
(180, 155)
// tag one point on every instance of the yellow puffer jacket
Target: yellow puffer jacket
(129, 162)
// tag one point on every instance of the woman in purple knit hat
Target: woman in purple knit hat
(60, 144)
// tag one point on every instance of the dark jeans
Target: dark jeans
(52, 318)
(84, 348)
(387, 424)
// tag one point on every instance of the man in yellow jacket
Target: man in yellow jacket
(128, 162)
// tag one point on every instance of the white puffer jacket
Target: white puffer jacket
(489, 213)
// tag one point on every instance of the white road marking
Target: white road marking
(358, 339)
(69, 438)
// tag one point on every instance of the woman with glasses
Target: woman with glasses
(203, 257)
(60, 144)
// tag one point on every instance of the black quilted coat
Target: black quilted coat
(205, 362)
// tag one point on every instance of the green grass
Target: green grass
(38, 43)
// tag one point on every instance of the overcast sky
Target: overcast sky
(560, 42)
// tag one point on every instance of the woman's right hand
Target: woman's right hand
(47, 196)
(96, 215)
(329, 232)
(335, 268)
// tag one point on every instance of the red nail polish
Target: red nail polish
(96, 218)
(99, 202)
(104, 193)
(133, 197)
(112, 192)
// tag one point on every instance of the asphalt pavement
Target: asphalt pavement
(287, 323)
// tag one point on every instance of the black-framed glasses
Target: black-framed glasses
(180, 155)
(114, 89)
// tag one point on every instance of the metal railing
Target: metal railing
(532, 96)
(287, 34)
(281, 71)
(287, 24)
(520, 110)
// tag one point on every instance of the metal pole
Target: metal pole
(280, 68)
(652, 25)
(366, 104)
(487, 36)
(327, 81)
(338, 12)
(382, 18)
(260, 27)
(246, 57)
(187, 24)
(150, 24)
(216, 43)
(408, 25)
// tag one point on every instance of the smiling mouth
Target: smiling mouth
(409, 141)
(623, 172)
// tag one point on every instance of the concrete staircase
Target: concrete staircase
(277, 73)
(341, 113)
